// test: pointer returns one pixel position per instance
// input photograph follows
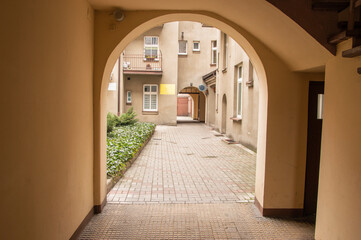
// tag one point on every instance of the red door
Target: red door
(182, 106)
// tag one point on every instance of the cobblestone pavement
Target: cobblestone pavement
(188, 164)
(188, 184)
(193, 221)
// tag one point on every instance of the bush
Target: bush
(124, 142)
(128, 117)
(124, 119)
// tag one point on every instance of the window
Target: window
(129, 97)
(151, 48)
(182, 47)
(196, 46)
(239, 90)
(150, 97)
(214, 52)
(225, 51)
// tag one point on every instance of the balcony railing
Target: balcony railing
(142, 64)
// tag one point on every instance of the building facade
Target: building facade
(188, 60)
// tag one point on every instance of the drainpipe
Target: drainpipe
(119, 86)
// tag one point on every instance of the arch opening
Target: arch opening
(111, 58)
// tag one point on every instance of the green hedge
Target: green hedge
(124, 142)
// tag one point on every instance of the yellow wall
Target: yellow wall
(339, 209)
(46, 150)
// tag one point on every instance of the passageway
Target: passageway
(188, 164)
(189, 184)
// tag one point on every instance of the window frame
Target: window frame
(150, 93)
(225, 51)
(214, 51)
(199, 46)
(186, 48)
(151, 46)
(239, 83)
(129, 95)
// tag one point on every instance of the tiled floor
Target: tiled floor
(188, 164)
(188, 184)
(192, 221)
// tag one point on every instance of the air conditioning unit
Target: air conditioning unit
(202, 87)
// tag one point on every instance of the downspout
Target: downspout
(119, 86)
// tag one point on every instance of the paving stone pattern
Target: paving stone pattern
(189, 184)
(193, 221)
(188, 164)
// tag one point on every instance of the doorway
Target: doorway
(224, 114)
(314, 133)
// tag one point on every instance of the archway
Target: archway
(224, 114)
(278, 191)
(196, 104)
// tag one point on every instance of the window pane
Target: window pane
(214, 56)
(147, 88)
(239, 103)
(154, 89)
(153, 102)
(146, 101)
(182, 46)
(148, 40)
(240, 72)
(196, 45)
(214, 44)
(155, 41)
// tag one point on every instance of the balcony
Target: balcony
(142, 64)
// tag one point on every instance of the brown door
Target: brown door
(314, 134)
(182, 106)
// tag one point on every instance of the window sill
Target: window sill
(182, 54)
(213, 64)
(236, 119)
(195, 50)
(128, 103)
(151, 60)
(150, 113)
(224, 70)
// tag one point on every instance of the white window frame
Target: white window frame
(199, 46)
(150, 97)
(151, 46)
(214, 52)
(180, 53)
(239, 91)
(129, 96)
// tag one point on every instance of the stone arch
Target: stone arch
(274, 76)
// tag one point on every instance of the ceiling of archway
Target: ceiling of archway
(281, 34)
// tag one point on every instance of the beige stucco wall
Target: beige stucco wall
(210, 107)
(245, 130)
(167, 104)
(194, 65)
(338, 210)
(112, 95)
(46, 101)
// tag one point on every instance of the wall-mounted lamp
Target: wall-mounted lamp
(118, 15)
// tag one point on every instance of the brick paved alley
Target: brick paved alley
(189, 184)
(188, 164)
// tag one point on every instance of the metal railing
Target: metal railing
(141, 63)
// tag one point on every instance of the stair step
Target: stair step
(343, 24)
(357, 3)
(344, 35)
(353, 52)
(330, 5)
